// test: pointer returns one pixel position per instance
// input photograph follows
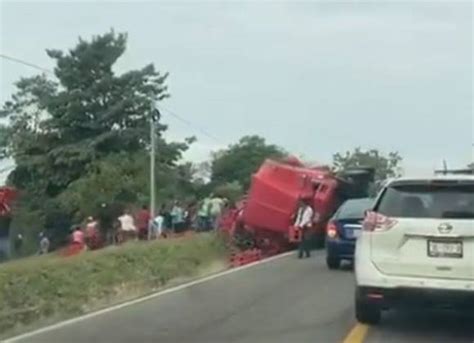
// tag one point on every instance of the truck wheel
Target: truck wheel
(333, 262)
(367, 313)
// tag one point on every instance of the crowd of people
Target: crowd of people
(169, 219)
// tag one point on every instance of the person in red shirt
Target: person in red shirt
(91, 234)
(77, 243)
(143, 222)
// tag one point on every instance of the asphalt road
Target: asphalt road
(423, 327)
(282, 301)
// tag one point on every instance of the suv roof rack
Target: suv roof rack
(465, 171)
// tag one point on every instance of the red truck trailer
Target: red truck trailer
(264, 219)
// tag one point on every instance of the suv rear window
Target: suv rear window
(354, 209)
(428, 200)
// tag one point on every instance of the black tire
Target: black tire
(367, 313)
(333, 262)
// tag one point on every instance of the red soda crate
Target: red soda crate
(294, 234)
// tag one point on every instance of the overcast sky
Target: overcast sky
(313, 77)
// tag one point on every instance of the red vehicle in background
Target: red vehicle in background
(265, 218)
(7, 196)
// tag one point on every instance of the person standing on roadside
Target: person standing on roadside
(78, 237)
(18, 244)
(127, 226)
(167, 219)
(77, 241)
(107, 218)
(203, 214)
(143, 222)
(91, 234)
(215, 211)
(303, 222)
(191, 215)
(157, 224)
(177, 217)
(44, 244)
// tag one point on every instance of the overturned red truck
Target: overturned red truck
(263, 219)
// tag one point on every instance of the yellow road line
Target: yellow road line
(357, 334)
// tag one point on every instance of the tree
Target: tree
(230, 190)
(202, 172)
(60, 128)
(74, 137)
(239, 161)
(3, 141)
(385, 165)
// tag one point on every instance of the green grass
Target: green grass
(47, 288)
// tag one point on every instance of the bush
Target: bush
(46, 288)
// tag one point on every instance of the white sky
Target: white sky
(313, 77)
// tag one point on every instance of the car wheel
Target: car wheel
(333, 262)
(366, 312)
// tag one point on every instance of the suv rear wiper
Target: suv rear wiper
(458, 215)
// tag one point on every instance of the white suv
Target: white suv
(417, 246)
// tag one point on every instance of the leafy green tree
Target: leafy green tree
(385, 165)
(230, 190)
(82, 137)
(202, 172)
(3, 141)
(239, 161)
(60, 128)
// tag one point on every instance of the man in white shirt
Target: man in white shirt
(303, 222)
(157, 225)
(215, 210)
(127, 225)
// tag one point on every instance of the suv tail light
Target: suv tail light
(374, 221)
(331, 230)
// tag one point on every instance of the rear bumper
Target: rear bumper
(340, 248)
(367, 275)
(389, 290)
(417, 297)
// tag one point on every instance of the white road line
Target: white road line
(139, 300)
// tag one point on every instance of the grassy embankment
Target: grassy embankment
(44, 289)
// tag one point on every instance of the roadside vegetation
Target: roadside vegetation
(45, 289)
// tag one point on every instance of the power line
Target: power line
(26, 63)
(171, 113)
(189, 123)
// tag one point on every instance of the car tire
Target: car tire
(366, 312)
(333, 262)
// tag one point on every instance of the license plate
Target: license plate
(442, 248)
(352, 233)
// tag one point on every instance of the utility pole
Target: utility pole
(154, 116)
